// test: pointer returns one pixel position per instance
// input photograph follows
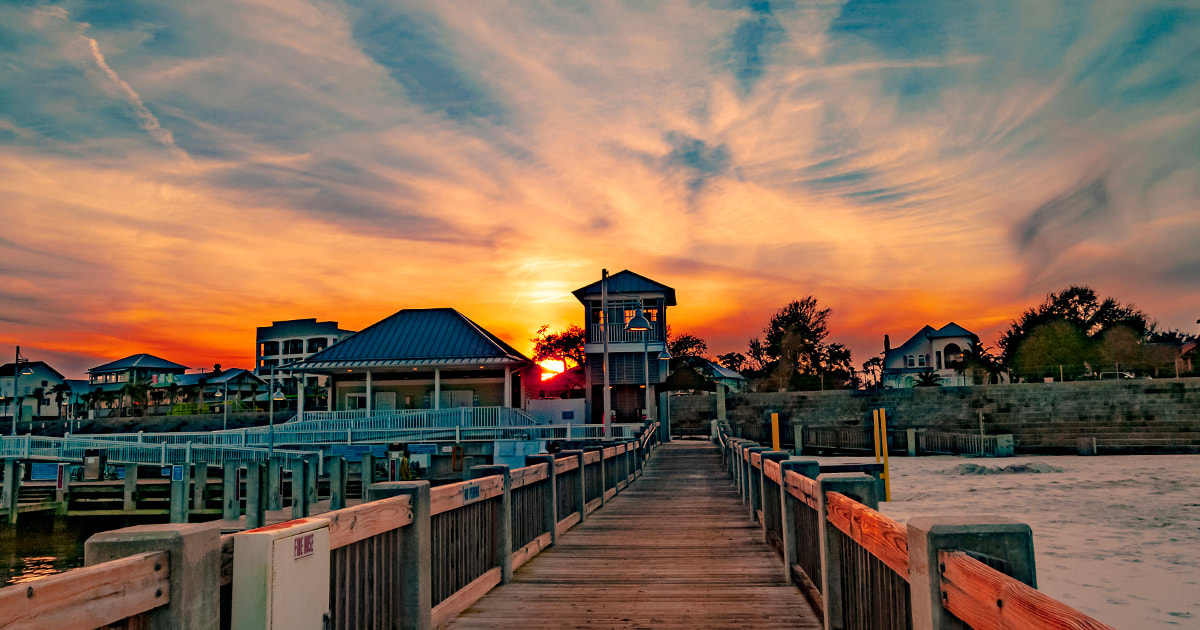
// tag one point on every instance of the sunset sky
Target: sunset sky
(173, 175)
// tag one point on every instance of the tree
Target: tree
(732, 360)
(1082, 309)
(62, 392)
(173, 393)
(564, 346)
(796, 353)
(686, 346)
(873, 367)
(927, 379)
(1054, 349)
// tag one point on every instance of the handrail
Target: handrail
(877, 534)
(453, 496)
(90, 597)
(985, 598)
(359, 522)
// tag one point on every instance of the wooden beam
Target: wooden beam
(563, 464)
(771, 470)
(591, 457)
(567, 523)
(879, 535)
(89, 597)
(350, 525)
(464, 597)
(804, 489)
(524, 554)
(454, 496)
(987, 599)
(529, 474)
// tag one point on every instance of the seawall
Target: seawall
(1137, 415)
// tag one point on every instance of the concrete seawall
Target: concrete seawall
(1139, 415)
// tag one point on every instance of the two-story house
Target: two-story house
(935, 350)
(35, 390)
(636, 361)
(111, 378)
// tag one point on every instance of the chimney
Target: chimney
(887, 344)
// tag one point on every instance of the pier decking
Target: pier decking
(674, 550)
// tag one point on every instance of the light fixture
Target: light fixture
(639, 323)
(664, 356)
(278, 395)
(28, 371)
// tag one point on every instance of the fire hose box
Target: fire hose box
(281, 576)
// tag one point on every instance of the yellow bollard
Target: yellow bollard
(875, 424)
(887, 475)
(775, 431)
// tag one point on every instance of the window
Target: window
(938, 355)
(908, 361)
(317, 344)
(921, 361)
(293, 346)
(270, 348)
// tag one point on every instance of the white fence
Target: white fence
(118, 451)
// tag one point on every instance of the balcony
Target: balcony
(618, 334)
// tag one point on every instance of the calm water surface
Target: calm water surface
(38, 547)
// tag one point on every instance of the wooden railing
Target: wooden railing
(414, 557)
(91, 597)
(856, 565)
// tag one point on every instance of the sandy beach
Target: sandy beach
(1117, 537)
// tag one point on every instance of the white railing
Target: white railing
(123, 452)
(965, 444)
(618, 334)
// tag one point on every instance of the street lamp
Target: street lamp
(17, 373)
(224, 394)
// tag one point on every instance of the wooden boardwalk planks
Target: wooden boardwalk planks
(675, 549)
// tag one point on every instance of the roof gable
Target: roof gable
(419, 334)
(626, 281)
(7, 368)
(952, 330)
(143, 360)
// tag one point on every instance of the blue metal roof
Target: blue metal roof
(147, 361)
(433, 335)
(952, 330)
(627, 281)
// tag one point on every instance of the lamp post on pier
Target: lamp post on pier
(17, 399)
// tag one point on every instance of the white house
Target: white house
(934, 350)
(36, 390)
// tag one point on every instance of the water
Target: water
(39, 547)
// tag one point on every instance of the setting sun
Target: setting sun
(551, 368)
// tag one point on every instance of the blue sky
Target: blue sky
(174, 174)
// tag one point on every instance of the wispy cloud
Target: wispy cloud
(905, 162)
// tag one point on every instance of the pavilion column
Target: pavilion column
(369, 395)
(330, 392)
(508, 387)
(437, 388)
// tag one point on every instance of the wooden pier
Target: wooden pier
(674, 551)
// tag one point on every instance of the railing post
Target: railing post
(199, 481)
(274, 480)
(911, 435)
(256, 494)
(1007, 540)
(810, 468)
(28, 437)
(503, 539)
(864, 489)
(754, 482)
(139, 437)
(312, 467)
(366, 472)
(768, 510)
(194, 601)
(337, 483)
(416, 582)
(11, 490)
(550, 504)
(299, 492)
(162, 460)
(230, 506)
(129, 496)
(179, 496)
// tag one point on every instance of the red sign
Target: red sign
(61, 477)
(302, 546)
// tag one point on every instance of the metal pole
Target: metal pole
(16, 374)
(646, 370)
(225, 398)
(271, 417)
(604, 325)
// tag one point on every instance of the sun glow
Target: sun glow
(552, 368)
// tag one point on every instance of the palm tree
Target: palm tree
(173, 392)
(37, 394)
(62, 392)
(927, 379)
